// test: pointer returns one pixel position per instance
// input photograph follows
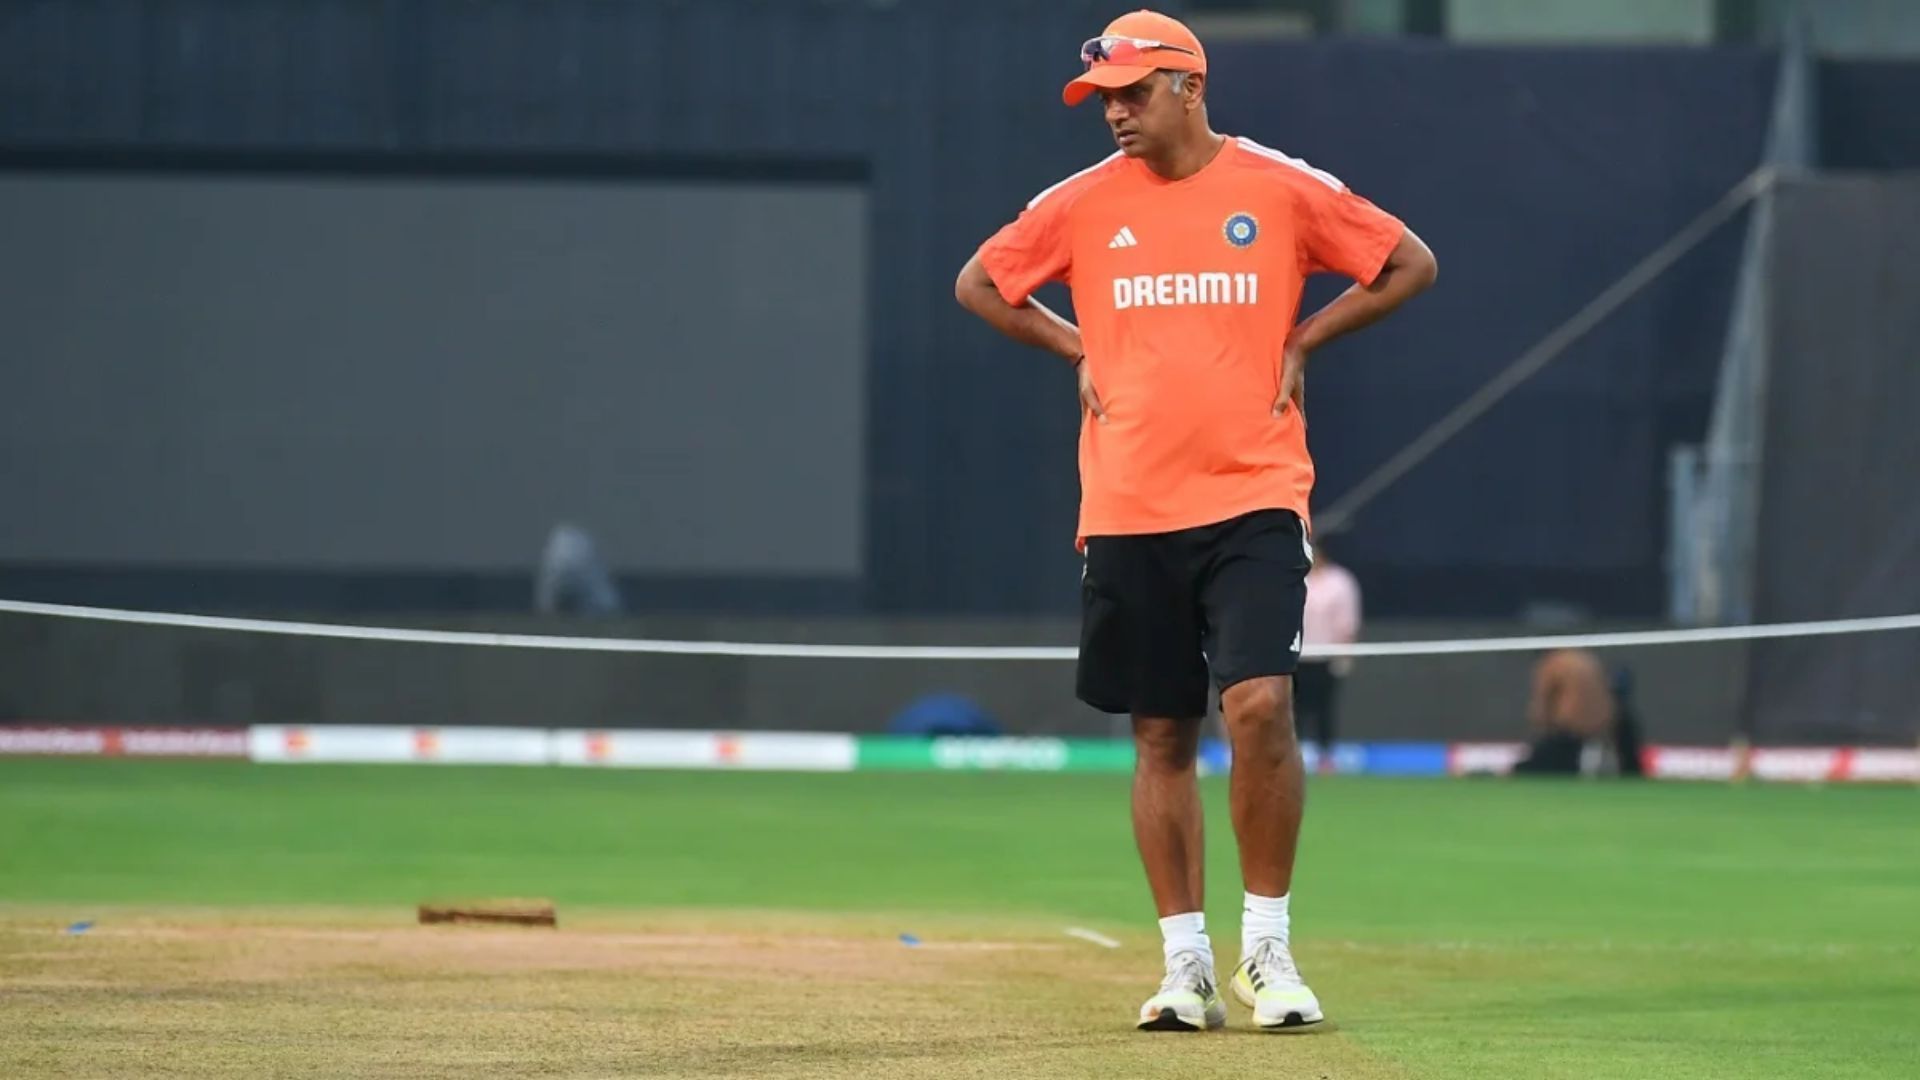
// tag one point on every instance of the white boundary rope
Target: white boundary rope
(798, 651)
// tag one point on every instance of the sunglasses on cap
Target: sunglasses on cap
(1123, 50)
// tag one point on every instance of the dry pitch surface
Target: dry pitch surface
(207, 994)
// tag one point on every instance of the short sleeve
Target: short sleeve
(1342, 233)
(1031, 250)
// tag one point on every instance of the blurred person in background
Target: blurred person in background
(1581, 718)
(1627, 738)
(573, 579)
(1332, 618)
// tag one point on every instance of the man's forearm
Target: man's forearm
(1409, 270)
(1031, 323)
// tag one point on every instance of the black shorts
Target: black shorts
(1159, 610)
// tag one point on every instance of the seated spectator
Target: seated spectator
(1581, 719)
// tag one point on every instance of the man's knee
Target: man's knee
(1165, 745)
(1259, 706)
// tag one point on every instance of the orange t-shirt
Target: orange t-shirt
(1185, 292)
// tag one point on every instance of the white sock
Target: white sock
(1263, 917)
(1186, 933)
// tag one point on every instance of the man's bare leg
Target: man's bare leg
(1167, 828)
(1166, 812)
(1269, 785)
(1268, 793)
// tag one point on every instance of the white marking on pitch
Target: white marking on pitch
(1094, 936)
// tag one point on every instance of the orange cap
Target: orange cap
(1152, 26)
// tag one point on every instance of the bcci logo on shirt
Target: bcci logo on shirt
(1241, 230)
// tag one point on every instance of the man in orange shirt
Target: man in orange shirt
(1186, 252)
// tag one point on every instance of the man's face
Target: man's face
(1145, 117)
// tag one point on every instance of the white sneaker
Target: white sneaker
(1267, 982)
(1188, 999)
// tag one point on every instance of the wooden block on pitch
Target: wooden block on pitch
(502, 912)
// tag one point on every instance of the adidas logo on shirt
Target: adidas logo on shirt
(1123, 238)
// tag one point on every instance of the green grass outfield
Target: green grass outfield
(1453, 928)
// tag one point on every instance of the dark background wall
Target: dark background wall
(1538, 175)
(280, 372)
(1866, 118)
(1839, 528)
